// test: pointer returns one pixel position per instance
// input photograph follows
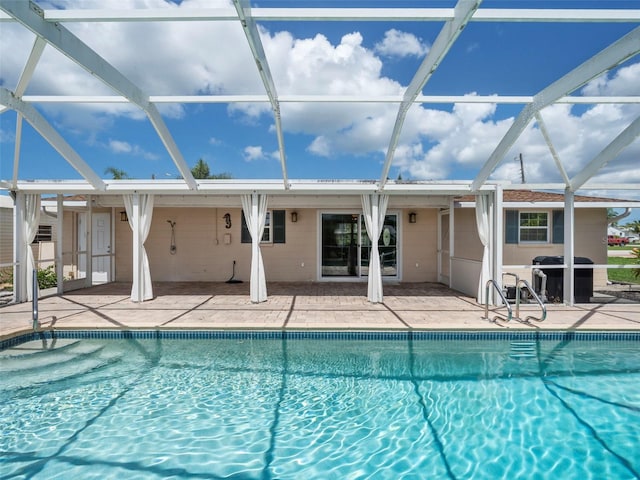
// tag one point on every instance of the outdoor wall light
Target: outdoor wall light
(227, 220)
(294, 217)
(123, 216)
(412, 217)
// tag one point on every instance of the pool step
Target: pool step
(29, 357)
(31, 364)
(36, 347)
(523, 350)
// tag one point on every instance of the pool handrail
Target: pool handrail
(535, 297)
(502, 297)
(34, 300)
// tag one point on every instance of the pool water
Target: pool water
(319, 409)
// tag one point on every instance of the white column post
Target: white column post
(89, 235)
(59, 244)
(452, 235)
(498, 236)
(255, 249)
(19, 252)
(137, 250)
(569, 230)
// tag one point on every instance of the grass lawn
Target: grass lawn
(622, 275)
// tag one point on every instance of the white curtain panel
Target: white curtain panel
(142, 289)
(254, 207)
(30, 228)
(374, 208)
(482, 222)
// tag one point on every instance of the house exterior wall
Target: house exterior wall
(467, 243)
(466, 260)
(205, 249)
(590, 242)
(6, 234)
(419, 245)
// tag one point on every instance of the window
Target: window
(45, 234)
(534, 227)
(274, 228)
(266, 234)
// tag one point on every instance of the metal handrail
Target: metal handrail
(34, 300)
(535, 297)
(504, 300)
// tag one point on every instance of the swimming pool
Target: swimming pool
(306, 405)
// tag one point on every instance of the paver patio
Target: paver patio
(314, 306)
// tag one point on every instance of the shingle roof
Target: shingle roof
(539, 197)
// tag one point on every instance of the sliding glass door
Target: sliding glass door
(340, 245)
(346, 247)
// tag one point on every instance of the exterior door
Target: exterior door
(444, 255)
(101, 248)
(340, 245)
(346, 247)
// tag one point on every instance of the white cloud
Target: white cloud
(253, 152)
(578, 138)
(625, 81)
(6, 137)
(120, 147)
(401, 44)
(433, 144)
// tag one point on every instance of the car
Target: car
(615, 240)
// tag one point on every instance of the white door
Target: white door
(444, 255)
(101, 248)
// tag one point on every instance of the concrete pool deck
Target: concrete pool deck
(296, 306)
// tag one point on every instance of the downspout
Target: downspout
(612, 220)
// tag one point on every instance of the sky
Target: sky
(325, 141)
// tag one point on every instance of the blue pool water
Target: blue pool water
(309, 408)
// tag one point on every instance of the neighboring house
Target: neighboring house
(324, 239)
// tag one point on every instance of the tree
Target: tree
(633, 226)
(116, 173)
(201, 172)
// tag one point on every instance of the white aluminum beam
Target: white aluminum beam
(613, 55)
(450, 31)
(627, 136)
(31, 16)
(23, 82)
(301, 187)
(50, 134)
(250, 29)
(434, 99)
(16, 150)
(554, 154)
(32, 61)
(342, 14)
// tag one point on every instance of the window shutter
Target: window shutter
(278, 225)
(558, 226)
(245, 236)
(511, 226)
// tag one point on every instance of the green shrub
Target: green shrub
(635, 253)
(6, 278)
(47, 277)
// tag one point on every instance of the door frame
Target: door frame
(359, 277)
(107, 256)
(444, 251)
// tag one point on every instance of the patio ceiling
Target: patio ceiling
(53, 27)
